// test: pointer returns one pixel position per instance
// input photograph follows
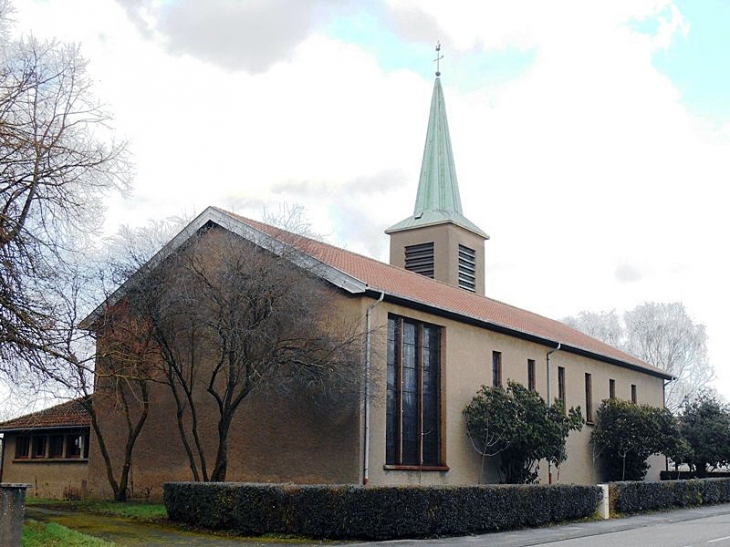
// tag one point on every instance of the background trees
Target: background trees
(57, 160)
(704, 424)
(661, 334)
(518, 426)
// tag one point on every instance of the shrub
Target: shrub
(343, 511)
(626, 434)
(639, 497)
(518, 426)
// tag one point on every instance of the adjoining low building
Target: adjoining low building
(49, 450)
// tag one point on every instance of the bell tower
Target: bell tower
(438, 241)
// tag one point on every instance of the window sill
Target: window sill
(591, 423)
(51, 460)
(441, 468)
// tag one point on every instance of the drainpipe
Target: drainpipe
(368, 342)
(550, 400)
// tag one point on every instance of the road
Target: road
(704, 526)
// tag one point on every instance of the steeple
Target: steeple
(437, 200)
(438, 240)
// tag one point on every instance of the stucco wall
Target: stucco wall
(48, 479)
(467, 365)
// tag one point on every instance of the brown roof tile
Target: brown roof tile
(68, 414)
(420, 290)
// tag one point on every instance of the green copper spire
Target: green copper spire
(437, 200)
(438, 188)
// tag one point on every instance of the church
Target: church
(436, 338)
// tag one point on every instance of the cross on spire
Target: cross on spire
(438, 58)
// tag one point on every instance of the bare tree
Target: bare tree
(662, 334)
(232, 319)
(57, 160)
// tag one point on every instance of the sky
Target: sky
(591, 139)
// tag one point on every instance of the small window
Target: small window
(561, 386)
(55, 446)
(467, 268)
(419, 259)
(531, 374)
(634, 397)
(22, 447)
(589, 399)
(612, 389)
(39, 446)
(497, 369)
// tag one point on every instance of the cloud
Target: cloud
(250, 36)
(381, 182)
(626, 273)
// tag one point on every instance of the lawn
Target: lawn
(42, 534)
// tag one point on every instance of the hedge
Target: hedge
(682, 475)
(639, 497)
(356, 512)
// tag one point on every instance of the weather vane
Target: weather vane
(438, 58)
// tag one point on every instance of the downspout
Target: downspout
(549, 400)
(368, 342)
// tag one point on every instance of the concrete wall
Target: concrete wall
(46, 479)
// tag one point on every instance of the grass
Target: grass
(138, 511)
(41, 534)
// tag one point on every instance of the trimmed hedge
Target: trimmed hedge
(346, 511)
(639, 497)
(683, 475)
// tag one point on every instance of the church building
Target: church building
(434, 339)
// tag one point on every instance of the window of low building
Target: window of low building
(40, 443)
(22, 447)
(561, 387)
(52, 446)
(634, 396)
(612, 389)
(55, 446)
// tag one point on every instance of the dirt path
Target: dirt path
(128, 533)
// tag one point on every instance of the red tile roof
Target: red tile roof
(65, 415)
(418, 290)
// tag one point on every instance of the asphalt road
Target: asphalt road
(705, 526)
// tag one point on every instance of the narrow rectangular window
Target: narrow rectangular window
(39, 446)
(497, 369)
(467, 268)
(634, 398)
(612, 389)
(419, 259)
(413, 406)
(531, 374)
(589, 399)
(561, 386)
(22, 447)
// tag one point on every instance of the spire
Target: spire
(437, 199)
(438, 188)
